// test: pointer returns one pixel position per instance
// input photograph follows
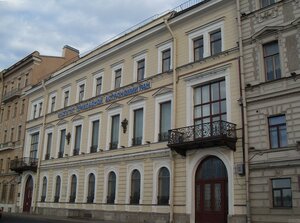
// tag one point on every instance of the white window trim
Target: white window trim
(160, 51)
(50, 102)
(73, 135)
(114, 69)
(63, 96)
(130, 169)
(54, 185)
(107, 170)
(90, 131)
(71, 173)
(157, 165)
(205, 32)
(47, 187)
(86, 184)
(135, 67)
(201, 78)
(58, 136)
(117, 111)
(158, 100)
(135, 106)
(47, 131)
(95, 77)
(79, 83)
(37, 103)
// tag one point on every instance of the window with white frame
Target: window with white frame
(77, 140)
(140, 70)
(118, 76)
(265, 3)
(62, 142)
(34, 145)
(95, 136)
(117, 70)
(91, 188)
(163, 186)
(111, 188)
(52, 103)
(165, 57)
(81, 92)
(136, 123)
(73, 189)
(206, 41)
(272, 60)
(40, 109)
(98, 85)
(115, 126)
(57, 189)
(135, 187)
(44, 189)
(66, 97)
(48, 146)
(36, 109)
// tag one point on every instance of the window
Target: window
(34, 145)
(1, 165)
(135, 187)
(215, 42)
(19, 83)
(198, 48)
(8, 112)
(277, 131)
(19, 132)
(138, 127)
(115, 125)
(1, 113)
(210, 103)
(15, 110)
(62, 143)
(49, 142)
(44, 190)
(40, 108)
(166, 60)
(272, 61)
(77, 140)
(95, 134)
(282, 192)
(111, 192)
(34, 111)
(73, 189)
(141, 70)
(118, 75)
(265, 3)
(12, 134)
(52, 106)
(4, 193)
(91, 188)
(57, 189)
(26, 80)
(7, 165)
(5, 136)
(23, 106)
(81, 92)
(66, 98)
(98, 85)
(11, 197)
(163, 186)
(165, 121)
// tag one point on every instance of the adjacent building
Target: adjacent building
(13, 114)
(145, 128)
(271, 56)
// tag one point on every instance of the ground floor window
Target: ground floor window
(282, 192)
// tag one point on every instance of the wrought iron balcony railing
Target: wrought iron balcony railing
(23, 164)
(9, 145)
(11, 95)
(217, 133)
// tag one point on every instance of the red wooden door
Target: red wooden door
(28, 194)
(211, 192)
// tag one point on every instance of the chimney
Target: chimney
(70, 53)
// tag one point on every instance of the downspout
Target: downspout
(175, 80)
(244, 112)
(37, 181)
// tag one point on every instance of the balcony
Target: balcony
(24, 164)
(218, 133)
(11, 95)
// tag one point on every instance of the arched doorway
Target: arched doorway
(211, 197)
(28, 194)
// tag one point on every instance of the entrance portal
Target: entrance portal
(28, 194)
(211, 191)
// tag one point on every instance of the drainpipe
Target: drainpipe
(40, 149)
(175, 80)
(244, 112)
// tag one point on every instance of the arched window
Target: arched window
(73, 188)
(111, 192)
(44, 190)
(91, 188)
(135, 187)
(163, 186)
(57, 189)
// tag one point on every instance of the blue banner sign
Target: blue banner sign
(103, 99)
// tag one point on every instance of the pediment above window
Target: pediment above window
(114, 106)
(62, 122)
(161, 91)
(77, 117)
(136, 99)
(268, 30)
(48, 126)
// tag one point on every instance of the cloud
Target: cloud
(46, 26)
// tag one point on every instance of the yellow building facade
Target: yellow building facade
(145, 128)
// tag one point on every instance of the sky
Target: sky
(48, 25)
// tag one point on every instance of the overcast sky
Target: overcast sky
(48, 25)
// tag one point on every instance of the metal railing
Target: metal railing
(12, 94)
(22, 164)
(203, 131)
